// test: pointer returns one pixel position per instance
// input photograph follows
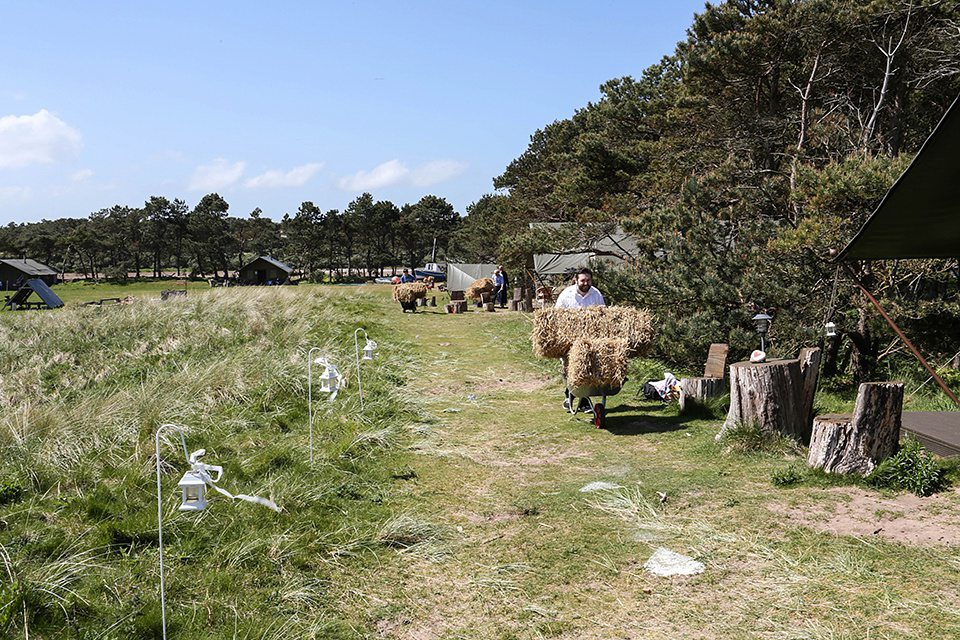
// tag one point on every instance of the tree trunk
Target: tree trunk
(810, 368)
(768, 394)
(699, 389)
(857, 443)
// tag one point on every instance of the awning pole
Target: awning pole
(900, 333)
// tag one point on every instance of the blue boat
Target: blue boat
(432, 270)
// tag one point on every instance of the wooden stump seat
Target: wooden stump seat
(857, 442)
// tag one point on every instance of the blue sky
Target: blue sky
(272, 104)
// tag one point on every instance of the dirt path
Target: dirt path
(528, 551)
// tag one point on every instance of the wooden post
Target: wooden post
(857, 443)
(810, 368)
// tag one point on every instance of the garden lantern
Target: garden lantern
(368, 350)
(193, 492)
(831, 329)
(330, 378)
(762, 322)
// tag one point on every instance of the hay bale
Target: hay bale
(478, 287)
(598, 362)
(555, 330)
(409, 291)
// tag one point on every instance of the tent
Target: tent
(461, 276)
(919, 217)
(610, 247)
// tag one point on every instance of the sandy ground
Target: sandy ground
(934, 520)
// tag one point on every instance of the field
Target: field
(460, 502)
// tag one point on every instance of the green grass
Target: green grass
(451, 507)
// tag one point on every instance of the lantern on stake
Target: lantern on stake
(762, 323)
(368, 350)
(193, 486)
(831, 329)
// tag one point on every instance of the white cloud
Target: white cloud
(395, 173)
(436, 172)
(41, 138)
(296, 177)
(385, 175)
(82, 176)
(218, 174)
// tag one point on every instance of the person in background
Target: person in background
(407, 276)
(582, 293)
(500, 287)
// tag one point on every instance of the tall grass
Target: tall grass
(83, 391)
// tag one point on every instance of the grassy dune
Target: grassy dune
(451, 507)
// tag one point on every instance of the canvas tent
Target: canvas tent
(610, 247)
(461, 276)
(920, 215)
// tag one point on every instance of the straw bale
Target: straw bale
(597, 363)
(409, 291)
(483, 285)
(555, 330)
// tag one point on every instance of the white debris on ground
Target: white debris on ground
(599, 486)
(665, 563)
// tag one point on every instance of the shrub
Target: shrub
(748, 437)
(912, 469)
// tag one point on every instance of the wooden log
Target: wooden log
(518, 293)
(488, 306)
(768, 394)
(810, 369)
(699, 389)
(457, 295)
(513, 304)
(433, 301)
(857, 443)
(449, 308)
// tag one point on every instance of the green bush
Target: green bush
(912, 469)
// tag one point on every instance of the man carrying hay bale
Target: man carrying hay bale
(408, 293)
(582, 293)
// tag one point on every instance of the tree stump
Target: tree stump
(857, 443)
(699, 389)
(456, 296)
(768, 394)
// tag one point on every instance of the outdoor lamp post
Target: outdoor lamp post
(192, 499)
(329, 383)
(762, 322)
(368, 350)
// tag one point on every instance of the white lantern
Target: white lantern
(831, 329)
(193, 492)
(368, 349)
(329, 380)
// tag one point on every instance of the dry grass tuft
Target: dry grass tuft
(555, 330)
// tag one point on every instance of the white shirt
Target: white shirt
(570, 297)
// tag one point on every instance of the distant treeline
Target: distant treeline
(163, 235)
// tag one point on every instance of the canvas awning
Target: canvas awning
(920, 215)
(461, 276)
(612, 247)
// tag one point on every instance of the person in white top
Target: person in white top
(581, 294)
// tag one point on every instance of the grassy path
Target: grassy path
(513, 548)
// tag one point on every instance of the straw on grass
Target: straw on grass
(409, 291)
(556, 329)
(597, 362)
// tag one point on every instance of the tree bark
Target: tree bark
(769, 394)
(699, 389)
(857, 443)
(810, 368)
